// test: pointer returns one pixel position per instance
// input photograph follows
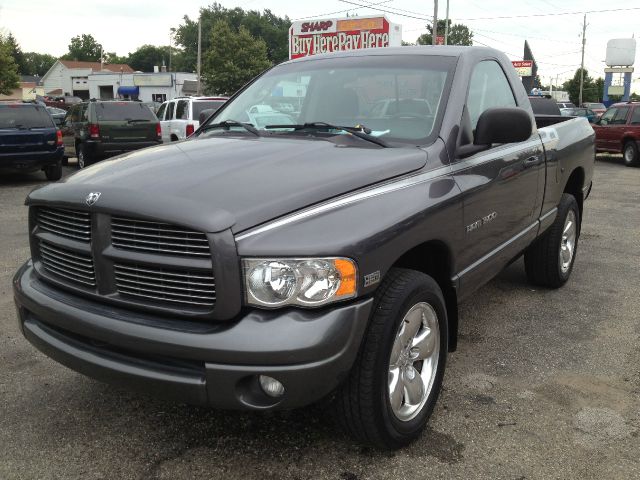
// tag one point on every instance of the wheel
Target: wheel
(84, 160)
(395, 381)
(549, 261)
(630, 154)
(54, 172)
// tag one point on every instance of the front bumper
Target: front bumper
(215, 364)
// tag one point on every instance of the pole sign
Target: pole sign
(523, 68)
(312, 37)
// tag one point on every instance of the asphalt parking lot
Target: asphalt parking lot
(545, 384)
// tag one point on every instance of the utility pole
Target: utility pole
(446, 26)
(170, 50)
(435, 22)
(584, 40)
(199, 89)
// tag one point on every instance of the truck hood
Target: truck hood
(222, 182)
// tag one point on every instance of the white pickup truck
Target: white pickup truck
(179, 117)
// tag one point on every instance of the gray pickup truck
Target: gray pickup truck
(311, 240)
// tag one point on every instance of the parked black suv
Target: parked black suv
(100, 129)
(29, 140)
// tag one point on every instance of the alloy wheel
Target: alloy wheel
(413, 362)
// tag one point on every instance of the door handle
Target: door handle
(532, 162)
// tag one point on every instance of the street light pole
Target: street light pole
(435, 22)
(446, 26)
(199, 89)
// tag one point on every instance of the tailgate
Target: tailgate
(124, 131)
(28, 140)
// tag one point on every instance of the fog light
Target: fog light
(271, 386)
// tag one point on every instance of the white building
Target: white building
(147, 87)
(71, 78)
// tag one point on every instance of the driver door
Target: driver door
(502, 187)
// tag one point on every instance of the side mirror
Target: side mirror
(503, 125)
(205, 114)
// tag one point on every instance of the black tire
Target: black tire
(84, 159)
(542, 260)
(363, 401)
(54, 172)
(630, 154)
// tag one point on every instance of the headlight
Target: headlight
(305, 282)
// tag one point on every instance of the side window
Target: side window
(489, 88)
(621, 116)
(182, 110)
(635, 116)
(161, 110)
(608, 116)
(170, 109)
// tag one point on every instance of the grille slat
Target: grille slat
(75, 266)
(131, 282)
(167, 279)
(66, 223)
(166, 284)
(146, 236)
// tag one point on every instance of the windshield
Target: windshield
(124, 111)
(399, 98)
(25, 116)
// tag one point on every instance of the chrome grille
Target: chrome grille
(73, 224)
(68, 264)
(192, 287)
(145, 236)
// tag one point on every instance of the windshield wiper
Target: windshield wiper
(359, 131)
(227, 124)
(135, 120)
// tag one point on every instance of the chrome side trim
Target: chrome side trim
(553, 211)
(496, 250)
(347, 200)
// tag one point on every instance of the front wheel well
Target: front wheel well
(574, 186)
(434, 259)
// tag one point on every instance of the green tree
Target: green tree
(459, 34)
(233, 59)
(590, 92)
(9, 79)
(269, 27)
(37, 63)
(16, 52)
(84, 48)
(147, 56)
(112, 57)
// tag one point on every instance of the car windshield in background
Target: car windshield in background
(597, 106)
(398, 99)
(24, 116)
(198, 107)
(124, 111)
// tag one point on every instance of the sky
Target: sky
(552, 27)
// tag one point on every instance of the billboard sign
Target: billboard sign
(621, 52)
(523, 68)
(311, 37)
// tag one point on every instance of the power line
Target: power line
(338, 11)
(551, 14)
(386, 11)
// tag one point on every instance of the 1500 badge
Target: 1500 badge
(483, 221)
